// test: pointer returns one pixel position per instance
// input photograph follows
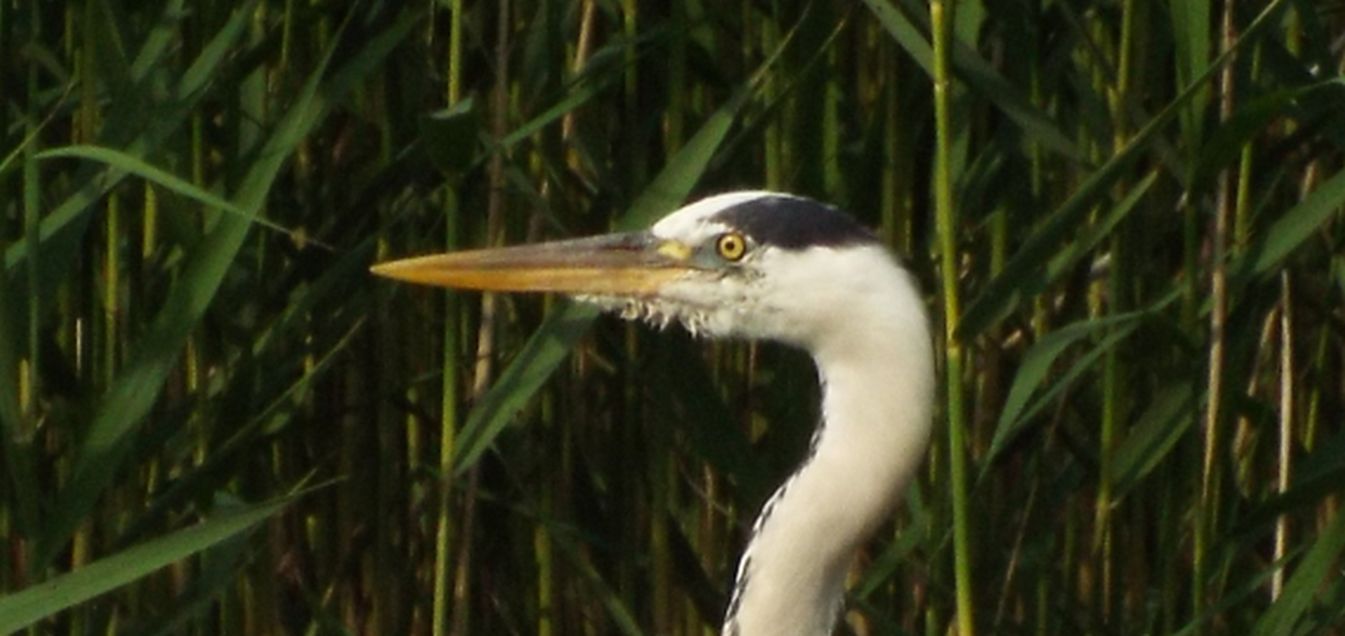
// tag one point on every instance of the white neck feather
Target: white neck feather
(877, 375)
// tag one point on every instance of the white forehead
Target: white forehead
(691, 223)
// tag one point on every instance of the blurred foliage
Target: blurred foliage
(215, 421)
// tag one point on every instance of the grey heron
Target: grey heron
(773, 266)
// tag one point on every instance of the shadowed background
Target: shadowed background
(216, 421)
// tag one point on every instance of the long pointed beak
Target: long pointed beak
(627, 264)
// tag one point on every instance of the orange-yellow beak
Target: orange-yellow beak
(626, 264)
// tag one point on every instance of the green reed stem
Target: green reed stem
(941, 17)
(449, 388)
(1113, 376)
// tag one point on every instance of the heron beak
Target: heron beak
(626, 264)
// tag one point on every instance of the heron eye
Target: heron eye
(731, 246)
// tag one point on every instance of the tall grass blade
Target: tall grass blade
(974, 72)
(1153, 437)
(21, 609)
(1290, 231)
(1251, 119)
(144, 142)
(1038, 363)
(1319, 565)
(126, 403)
(63, 225)
(129, 165)
(1021, 276)
(561, 330)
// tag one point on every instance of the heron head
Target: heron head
(750, 264)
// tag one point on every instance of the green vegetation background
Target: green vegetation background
(216, 421)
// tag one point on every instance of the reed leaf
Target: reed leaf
(21, 609)
(163, 362)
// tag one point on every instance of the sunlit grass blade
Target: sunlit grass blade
(617, 609)
(211, 474)
(1153, 437)
(1093, 236)
(219, 568)
(1251, 120)
(1038, 363)
(1294, 227)
(129, 165)
(1191, 44)
(1318, 565)
(65, 222)
(975, 72)
(527, 372)
(106, 443)
(1021, 275)
(159, 41)
(1319, 476)
(613, 490)
(561, 330)
(24, 608)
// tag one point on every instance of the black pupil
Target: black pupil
(730, 245)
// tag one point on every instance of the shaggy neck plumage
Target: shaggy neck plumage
(877, 390)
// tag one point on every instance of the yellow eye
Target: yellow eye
(731, 246)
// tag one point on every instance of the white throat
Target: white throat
(877, 391)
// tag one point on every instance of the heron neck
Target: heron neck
(877, 379)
